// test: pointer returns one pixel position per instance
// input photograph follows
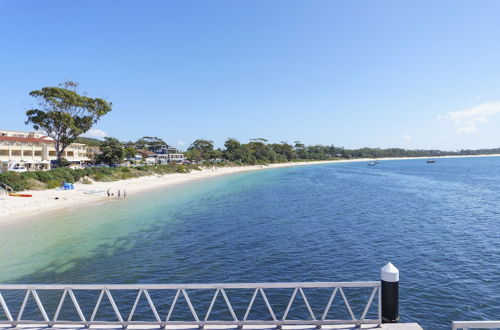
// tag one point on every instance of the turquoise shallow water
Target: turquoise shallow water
(438, 223)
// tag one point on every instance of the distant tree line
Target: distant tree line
(259, 151)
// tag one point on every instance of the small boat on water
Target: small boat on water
(20, 195)
(431, 161)
(371, 164)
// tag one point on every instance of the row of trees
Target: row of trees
(259, 151)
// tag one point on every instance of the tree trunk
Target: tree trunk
(59, 153)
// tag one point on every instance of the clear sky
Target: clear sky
(411, 74)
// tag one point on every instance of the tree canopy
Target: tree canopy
(111, 152)
(63, 114)
(151, 143)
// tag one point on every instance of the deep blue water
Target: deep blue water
(438, 223)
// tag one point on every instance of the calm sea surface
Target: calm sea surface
(438, 223)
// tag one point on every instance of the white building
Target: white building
(175, 155)
(35, 151)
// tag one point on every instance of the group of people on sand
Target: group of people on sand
(118, 194)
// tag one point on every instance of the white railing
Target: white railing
(5, 189)
(465, 325)
(220, 290)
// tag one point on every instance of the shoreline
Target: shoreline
(49, 201)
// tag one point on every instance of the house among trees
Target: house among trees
(161, 154)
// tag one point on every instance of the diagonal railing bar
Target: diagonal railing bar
(150, 302)
(268, 304)
(113, 304)
(289, 304)
(347, 304)
(250, 304)
(5, 308)
(92, 317)
(307, 304)
(211, 304)
(184, 293)
(153, 308)
(23, 305)
(32, 292)
(233, 314)
(77, 305)
(60, 304)
(40, 305)
(173, 305)
(218, 289)
(132, 311)
(368, 304)
(329, 305)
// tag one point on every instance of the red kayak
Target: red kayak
(19, 195)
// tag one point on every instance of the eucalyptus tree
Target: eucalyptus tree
(201, 150)
(63, 114)
(151, 143)
(111, 151)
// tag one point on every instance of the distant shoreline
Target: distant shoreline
(43, 202)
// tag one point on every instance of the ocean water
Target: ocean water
(438, 223)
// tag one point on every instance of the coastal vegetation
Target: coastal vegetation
(259, 151)
(39, 180)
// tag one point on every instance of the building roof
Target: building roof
(25, 139)
(145, 152)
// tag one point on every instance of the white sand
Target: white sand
(45, 201)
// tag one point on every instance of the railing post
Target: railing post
(390, 293)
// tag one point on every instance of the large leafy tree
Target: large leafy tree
(233, 151)
(201, 150)
(151, 143)
(63, 114)
(112, 152)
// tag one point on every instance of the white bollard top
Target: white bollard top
(389, 273)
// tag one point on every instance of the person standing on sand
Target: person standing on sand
(109, 194)
(118, 193)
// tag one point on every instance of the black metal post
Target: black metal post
(390, 293)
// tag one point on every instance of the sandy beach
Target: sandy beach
(44, 201)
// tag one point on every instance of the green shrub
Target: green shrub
(99, 176)
(33, 184)
(14, 180)
(181, 169)
(78, 174)
(86, 181)
(124, 169)
(104, 170)
(52, 184)
(29, 175)
(45, 176)
(63, 174)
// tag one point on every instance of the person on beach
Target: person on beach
(118, 193)
(124, 193)
(109, 194)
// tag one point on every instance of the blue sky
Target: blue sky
(411, 74)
